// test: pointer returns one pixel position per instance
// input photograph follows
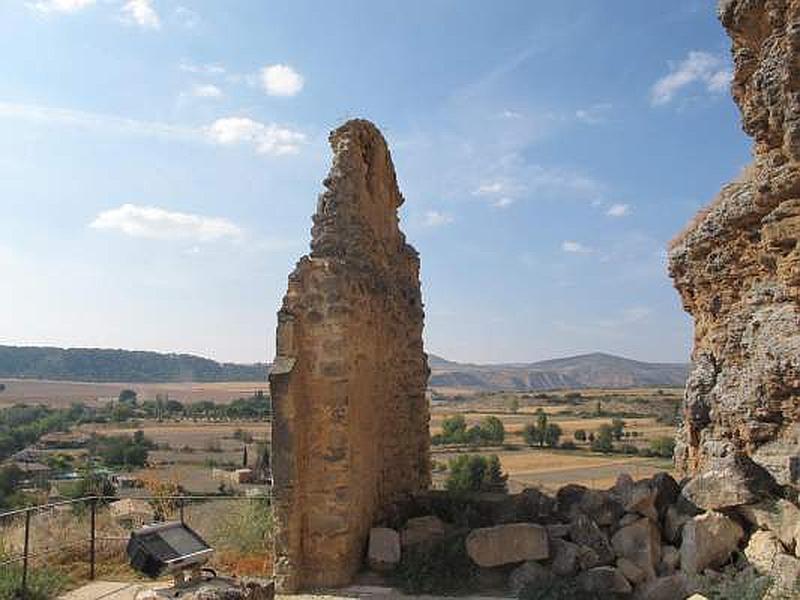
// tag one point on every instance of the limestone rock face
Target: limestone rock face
(350, 425)
(737, 269)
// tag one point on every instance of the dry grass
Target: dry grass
(60, 394)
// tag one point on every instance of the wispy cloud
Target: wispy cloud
(627, 316)
(594, 114)
(281, 80)
(503, 202)
(202, 69)
(206, 90)
(704, 68)
(267, 138)
(158, 223)
(618, 210)
(434, 218)
(96, 121)
(59, 6)
(187, 17)
(573, 247)
(141, 13)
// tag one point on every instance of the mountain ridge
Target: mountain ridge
(596, 369)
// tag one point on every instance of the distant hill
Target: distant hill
(584, 371)
(104, 365)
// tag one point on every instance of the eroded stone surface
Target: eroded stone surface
(350, 425)
(737, 268)
(505, 544)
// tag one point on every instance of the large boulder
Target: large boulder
(383, 552)
(729, 483)
(636, 496)
(565, 557)
(670, 560)
(604, 581)
(708, 541)
(641, 544)
(631, 570)
(672, 587)
(765, 552)
(585, 532)
(778, 516)
(667, 492)
(505, 544)
(421, 530)
(600, 506)
(529, 574)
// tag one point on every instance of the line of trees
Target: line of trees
(489, 432)
(542, 433)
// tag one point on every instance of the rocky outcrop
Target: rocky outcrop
(737, 269)
(350, 426)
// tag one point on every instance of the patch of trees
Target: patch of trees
(475, 473)
(22, 425)
(542, 433)
(489, 432)
(122, 450)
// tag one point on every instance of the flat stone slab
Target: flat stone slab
(112, 590)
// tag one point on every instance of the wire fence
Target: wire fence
(77, 540)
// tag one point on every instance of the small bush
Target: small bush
(43, 583)
(558, 589)
(628, 449)
(568, 445)
(663, 446)
(475, 473)
(439, 568)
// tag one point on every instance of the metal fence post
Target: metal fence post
(26, 552)
(92, 539)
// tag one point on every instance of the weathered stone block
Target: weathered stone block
(505, 544)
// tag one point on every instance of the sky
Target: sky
(160, 161)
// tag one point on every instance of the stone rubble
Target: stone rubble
(629, 555)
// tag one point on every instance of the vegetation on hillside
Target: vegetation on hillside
(92, 364)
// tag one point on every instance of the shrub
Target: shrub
(441, 568)
(603, 440)
(580, 435)
(629, 449)
(557, 588)
(43, 583)
(476, 473)
(568, 445)
(662, 446)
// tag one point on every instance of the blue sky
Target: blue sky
(160, 161)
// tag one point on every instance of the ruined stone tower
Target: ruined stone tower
(737, 268)
(350, 424)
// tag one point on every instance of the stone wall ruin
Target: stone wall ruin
(737, 269)
(350, 424)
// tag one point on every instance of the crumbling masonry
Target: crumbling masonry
(350, 426)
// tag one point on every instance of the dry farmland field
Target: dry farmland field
(60, 394)
(187, 449)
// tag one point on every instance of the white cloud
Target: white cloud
(158, 223)
(202, 69)
(60, 6)
(619, 210)
(574, 247)
(142, 13)
(489, 189)
(267, 138)
(627, 316)
(503, 202)
(700, 67)
(206, 90)
(510, 114)
(434, 218)
(281, 80)
(595, 114)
